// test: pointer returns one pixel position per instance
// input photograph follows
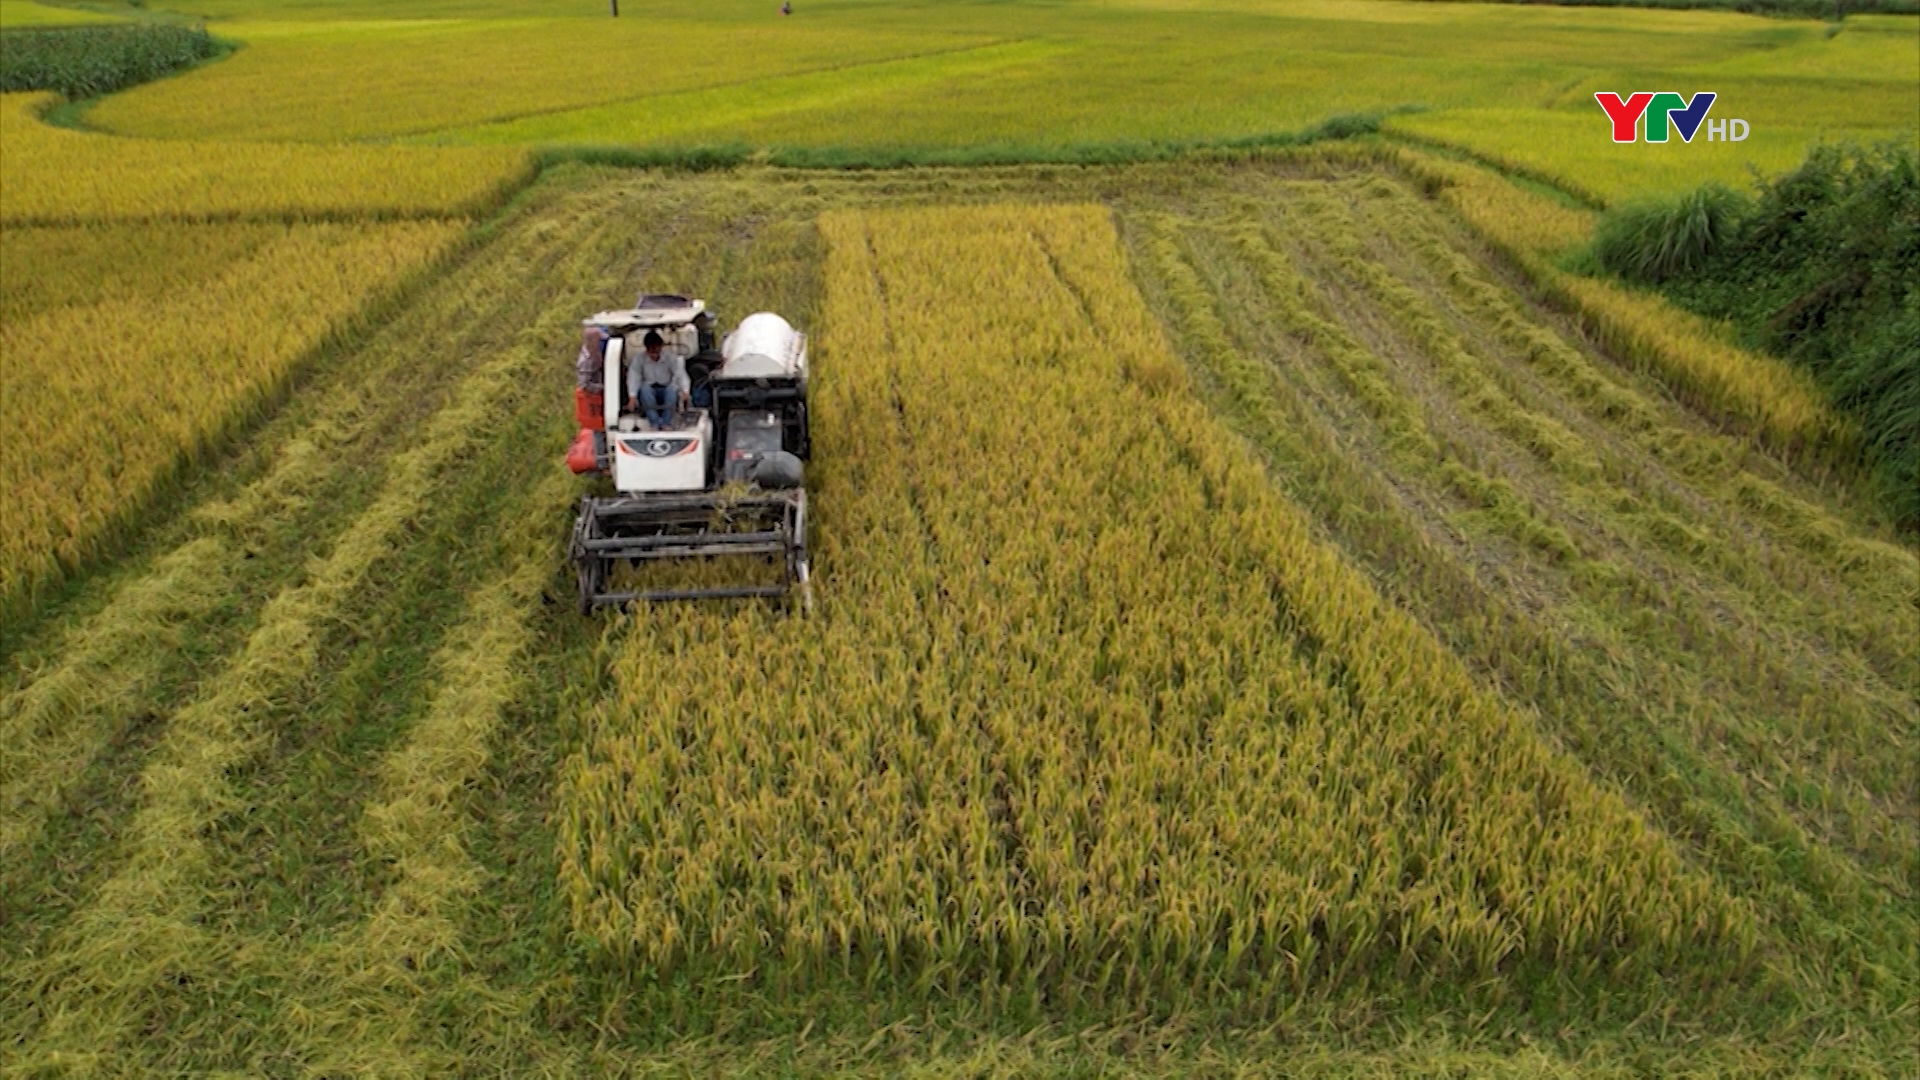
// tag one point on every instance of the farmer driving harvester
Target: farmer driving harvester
(657, 378)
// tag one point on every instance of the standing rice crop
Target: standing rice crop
(1088, 713)
(53, 176)
(102, 400)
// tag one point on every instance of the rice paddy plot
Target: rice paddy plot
(1060, 730)
(55, 176)
(1511, 83)
(377, 79)
(1253, 619)
(25, 14)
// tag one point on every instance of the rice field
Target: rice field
(1513, 84)
(138, 347)
(160, 297)
(25, 14)
(1254, 626)
(57, 176)
(1274, 616)
(1857, 84)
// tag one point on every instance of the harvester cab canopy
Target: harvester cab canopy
(653, 311)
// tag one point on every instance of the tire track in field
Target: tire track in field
(1800, 544)
(152, 941)
(366, 996)
(1691, 795)
(121, 663)
(139, 932)
(114, 665)
(1745, 633)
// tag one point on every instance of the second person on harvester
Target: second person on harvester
(657, 383)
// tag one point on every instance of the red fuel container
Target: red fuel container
(590, 410)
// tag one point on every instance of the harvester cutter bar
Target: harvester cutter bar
(663, 595)
(690, 526)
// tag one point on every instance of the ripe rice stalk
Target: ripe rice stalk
(54, 724)
(98, 414)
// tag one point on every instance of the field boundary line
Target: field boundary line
(828, 69)
(1506, 168)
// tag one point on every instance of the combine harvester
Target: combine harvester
(680, 492)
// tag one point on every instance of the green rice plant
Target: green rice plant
(961, 83)
(88, 61)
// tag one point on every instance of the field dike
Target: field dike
(55, 176)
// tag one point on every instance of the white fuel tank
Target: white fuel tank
(764, 346)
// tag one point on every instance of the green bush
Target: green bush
(1822, 267)
(87, 61)
(1653, 240)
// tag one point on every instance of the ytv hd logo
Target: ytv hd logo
(1668, 111)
